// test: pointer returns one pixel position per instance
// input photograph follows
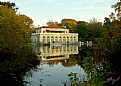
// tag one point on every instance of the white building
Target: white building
(54, 35)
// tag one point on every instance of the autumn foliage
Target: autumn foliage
(14, 31)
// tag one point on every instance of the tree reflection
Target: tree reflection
(102, 69)
(12, 72)
(71, 61)
(94, 72)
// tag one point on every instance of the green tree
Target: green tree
(70, 24)
(82, 30)
(9, 5)
(51, 23)
(16, 56)
(14, 31)
(105, 42)
(112, 27)
(94, 28)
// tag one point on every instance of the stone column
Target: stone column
(66, 38)
(45, 39)
(61, 39)
(54, 38)
(50, 39)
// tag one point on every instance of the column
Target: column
(54, 38)
(45, 39)
(50, 39)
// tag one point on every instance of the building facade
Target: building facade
(54, 35)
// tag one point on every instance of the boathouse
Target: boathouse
(54, 35)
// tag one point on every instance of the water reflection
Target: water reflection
(92, 67)
(12, 72)
(61, 52)
(56, 62)
(101, 68)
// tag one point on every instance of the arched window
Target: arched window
(71, 38)
(48, 40)
(52, 39)
(44, 38)
(74, 39)
(56, 39)
(64, 40)
(67, 39)
(60, 39)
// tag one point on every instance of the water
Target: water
(56, 62)
(62, 65)
(91, 66)
(53, 75)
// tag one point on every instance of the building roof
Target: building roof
(55, 27)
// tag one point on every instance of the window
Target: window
(43, 38)
(44, 31)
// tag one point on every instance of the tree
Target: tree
(16, 56)
(112, 29)
(117, 8)
(94, 28)
(51, 23)
(106, 39)
(81, 29)
(116, 18)
(9, 5)
(14, 31)
(26, 23)
(69, 23)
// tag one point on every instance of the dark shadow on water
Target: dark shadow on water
(12, 72)
(103, 70)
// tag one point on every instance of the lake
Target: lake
(59, 63)
(56, 62)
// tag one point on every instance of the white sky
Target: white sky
(41, 11)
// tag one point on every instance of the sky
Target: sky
(43, 11)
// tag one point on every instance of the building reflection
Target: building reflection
(58, 52)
